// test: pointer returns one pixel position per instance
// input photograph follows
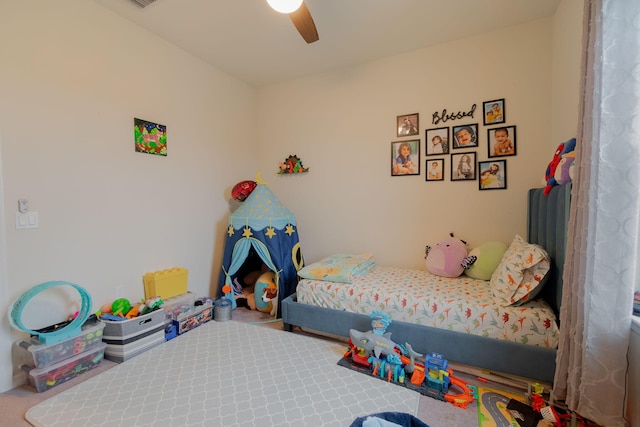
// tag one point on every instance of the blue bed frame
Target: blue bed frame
(547, 226)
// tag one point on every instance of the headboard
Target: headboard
(547, 226)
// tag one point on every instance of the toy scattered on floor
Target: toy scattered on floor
(380, 321)
(449, 258)
(540, 409)
(374, 352)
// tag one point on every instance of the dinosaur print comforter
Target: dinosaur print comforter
(459, 304)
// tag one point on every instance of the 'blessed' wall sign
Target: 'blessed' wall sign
(444, 116)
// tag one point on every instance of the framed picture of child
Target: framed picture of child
(465, 136)
(493, 175)
(494, 112)
(437, 141)
(463, 166)
(435, 169)
(408, 125)
(501, 141)
(405, 158)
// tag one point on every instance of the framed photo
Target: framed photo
(405, 158)
(435, 169)
(494, 112)
(493, 175)
(408, 125)
(501, 141)
(463, 166)
(436, 141)
(465, 136)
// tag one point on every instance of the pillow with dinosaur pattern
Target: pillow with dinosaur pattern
(521, 273)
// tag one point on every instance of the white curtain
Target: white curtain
(602, 264)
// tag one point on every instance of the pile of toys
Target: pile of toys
(374, 352)
(58, 353)
(122, 309)
(134, 328)
(540, 412)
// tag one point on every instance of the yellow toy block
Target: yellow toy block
(165, 283)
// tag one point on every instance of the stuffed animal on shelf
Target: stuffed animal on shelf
(449, 257)
(563, 151)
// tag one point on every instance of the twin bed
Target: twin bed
(459, 317)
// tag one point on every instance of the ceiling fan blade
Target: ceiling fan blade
(303, 21)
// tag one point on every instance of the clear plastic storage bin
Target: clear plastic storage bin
(45, 378)
(39, 355)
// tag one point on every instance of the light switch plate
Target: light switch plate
(27, 220)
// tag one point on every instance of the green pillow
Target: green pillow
(489, 256)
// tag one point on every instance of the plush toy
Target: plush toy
(265, 292)
(488, 257)
(448, 258)
(564, 171)
(549, 176)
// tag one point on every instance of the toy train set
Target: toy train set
(375, 354)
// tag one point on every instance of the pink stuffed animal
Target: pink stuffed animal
(449, 257)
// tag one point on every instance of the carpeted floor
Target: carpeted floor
(15, 403)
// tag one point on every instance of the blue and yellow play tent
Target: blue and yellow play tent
(262, 228)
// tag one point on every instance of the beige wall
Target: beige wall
(566, 57)
(342, 124)
(73, 77)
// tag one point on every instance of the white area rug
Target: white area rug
(227, 374)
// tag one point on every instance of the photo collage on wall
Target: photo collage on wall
(405, 154)
(461, 144)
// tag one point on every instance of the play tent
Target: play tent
(262, 230)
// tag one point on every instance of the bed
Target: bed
(520, 356)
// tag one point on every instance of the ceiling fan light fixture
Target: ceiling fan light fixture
(285, 6)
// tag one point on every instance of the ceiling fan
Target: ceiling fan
(300, 16)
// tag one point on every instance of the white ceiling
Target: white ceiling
(259, 46)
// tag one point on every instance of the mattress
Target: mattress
(457, 304)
